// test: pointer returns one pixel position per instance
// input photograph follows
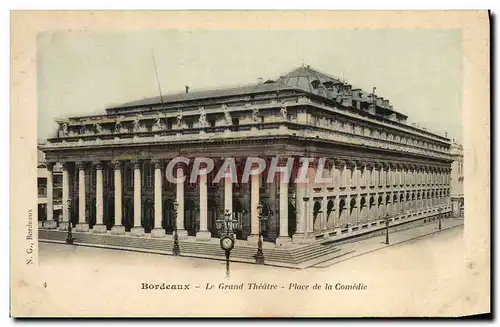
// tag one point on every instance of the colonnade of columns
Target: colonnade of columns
(353, 185)
(137, 230)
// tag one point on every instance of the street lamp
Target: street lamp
(176, 250)
(226, 226)
(69, 237)
(259, 256)
(387, 219)
(439, 217)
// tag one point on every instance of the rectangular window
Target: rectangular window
(236, 121)
(212, 122)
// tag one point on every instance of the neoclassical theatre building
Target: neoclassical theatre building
(114, 164)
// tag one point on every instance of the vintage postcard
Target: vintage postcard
(250, 164)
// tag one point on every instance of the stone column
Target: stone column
(181, 232)
(50, 223)
(158, 230)
(203, 234)
(82, 225)
(362, 174)
(63, 225)
(99, 227)
(335, 213)
(299, 234)
(254, 203)
(324, 208)
(359, 216)
(137, 230)
(388, 176)
(344, 173)
(283, 237)
(311, 175)
(118, 229)
(228, 193)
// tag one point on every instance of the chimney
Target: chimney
(187, 88)
(260, 80)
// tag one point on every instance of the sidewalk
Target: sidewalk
(372, 244)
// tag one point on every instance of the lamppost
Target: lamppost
(387, 219)
(69, 237)
(439, 217)
(226, 226)
(176, 250)
(259, 256)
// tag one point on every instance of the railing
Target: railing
(259, 129)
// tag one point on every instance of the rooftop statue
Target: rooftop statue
(118, 127)
(203, 118)
(64, 129)
(98, 128)
(179, 118)
(227, 117)
(255, 114)
(158, 122)
(283, 111)
(137, 124)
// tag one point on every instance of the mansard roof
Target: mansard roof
(301, 79)
(269, 86)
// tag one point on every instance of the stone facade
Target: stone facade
(49, 177)
(115, 164)
(457, 179)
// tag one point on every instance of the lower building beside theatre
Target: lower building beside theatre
(114, 164)
(49, 182)
(457, 179)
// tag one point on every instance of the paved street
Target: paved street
(427, 268)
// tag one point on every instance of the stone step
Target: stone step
(290, 255)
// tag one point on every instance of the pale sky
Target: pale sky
(81, 73)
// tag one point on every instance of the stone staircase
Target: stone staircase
(293, 257)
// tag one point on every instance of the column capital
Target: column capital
(393, 165)
(117, 164)
(282, 161)
(360, 164)
(80, 165)
(179, 165)
(158, 163)
(98, 165)
(338, 163)
(136, 163)
(385, 165)
(64, 165)
(254, 166)
(350, 163)
(50, 166)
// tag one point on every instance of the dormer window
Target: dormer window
(328, 85)
(315, 83)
